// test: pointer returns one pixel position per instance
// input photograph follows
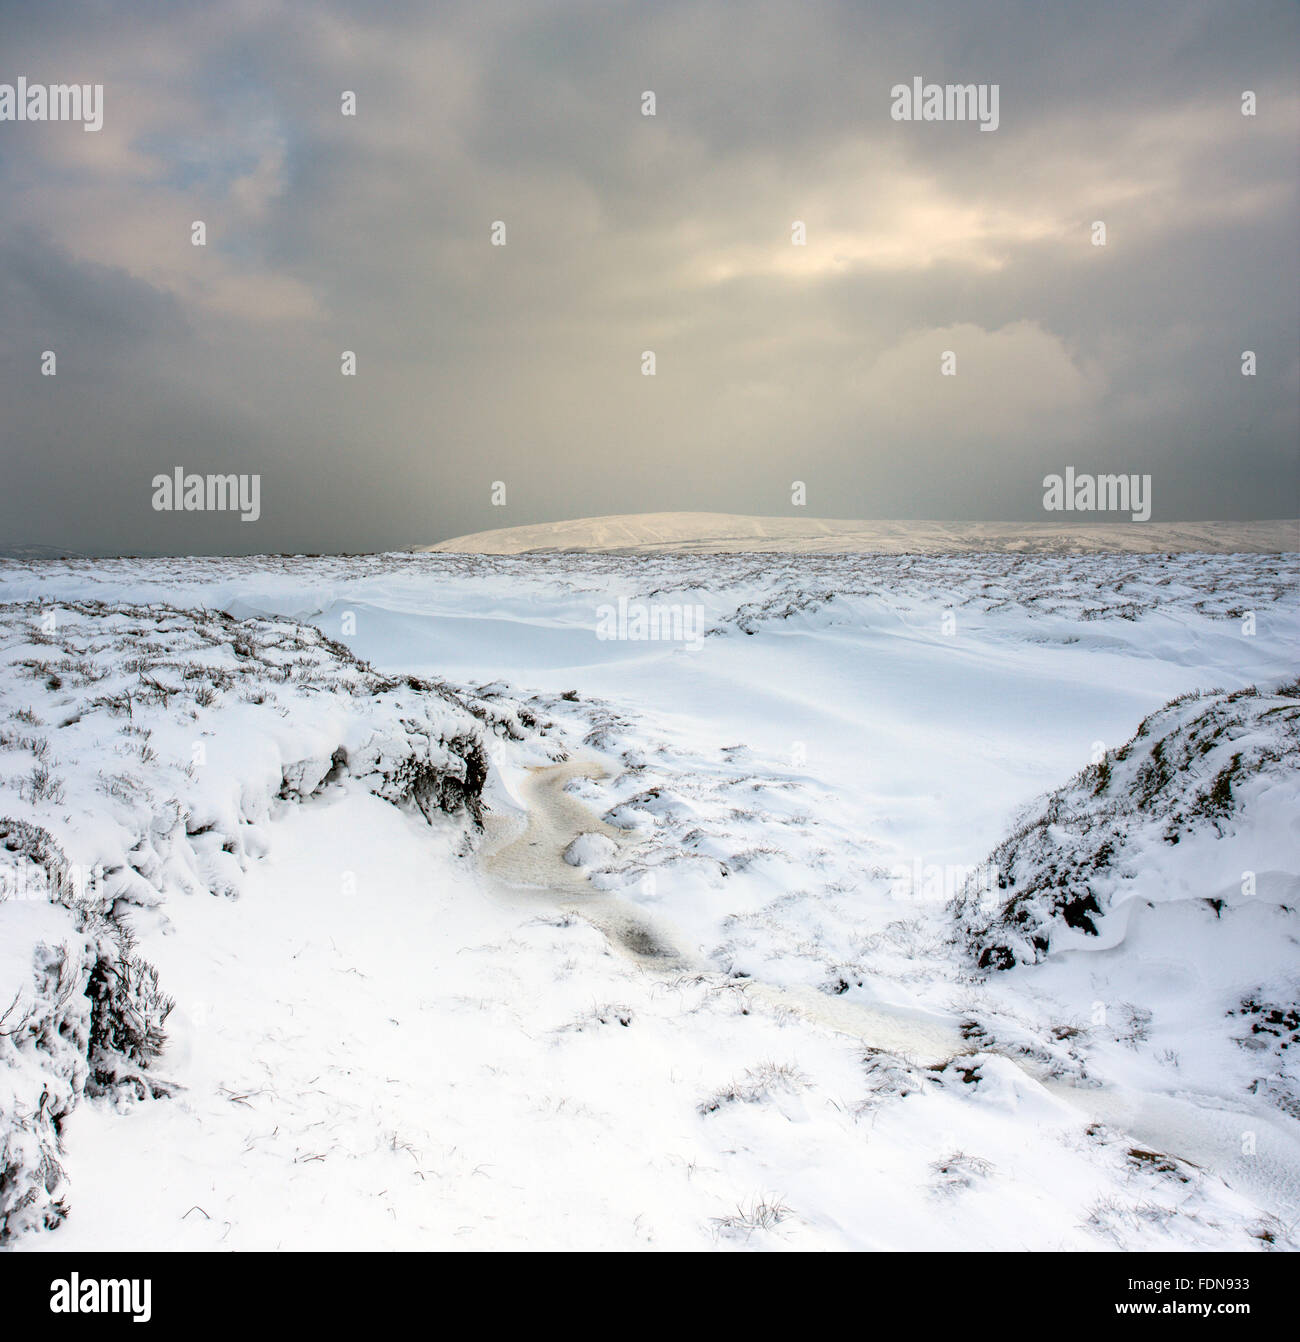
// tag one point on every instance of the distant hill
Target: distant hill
(643, 533)
(37, 552)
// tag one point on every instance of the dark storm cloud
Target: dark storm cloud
(627, 233)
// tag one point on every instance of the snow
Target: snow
(143, 753)
(589, 850)
(697, 982)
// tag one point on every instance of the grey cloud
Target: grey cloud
(628, 233)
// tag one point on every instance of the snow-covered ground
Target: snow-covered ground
(709, 971)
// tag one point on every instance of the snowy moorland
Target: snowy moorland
(704, 901)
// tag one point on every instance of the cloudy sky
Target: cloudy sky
(626, 233)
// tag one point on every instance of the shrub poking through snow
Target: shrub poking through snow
(763, 1212)
(1194, 774)
(957, 1171)
(88, 1019)
(756, 1085)
(127, 1014)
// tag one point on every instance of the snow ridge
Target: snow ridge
(1074, 861)
(201, 727)
(1184, 837)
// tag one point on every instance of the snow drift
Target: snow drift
(1158, 892)
(142, 750)
(1211, 775)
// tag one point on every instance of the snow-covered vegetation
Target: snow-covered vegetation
(933, 902)
(1163, 883)
(1205, 784)
(142, 752)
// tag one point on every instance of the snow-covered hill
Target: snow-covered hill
(713, 533)
(27, 553)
